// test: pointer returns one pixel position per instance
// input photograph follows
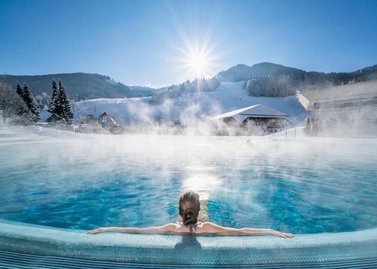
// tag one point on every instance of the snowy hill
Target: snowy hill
(142, 91)
(79, 86)
(187, 108)
(242, 72)
(83, 86)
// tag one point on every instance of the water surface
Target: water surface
(305, 186)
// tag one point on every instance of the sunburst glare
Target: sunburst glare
(198, 60)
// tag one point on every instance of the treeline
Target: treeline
(287, 84)
(12, 107)
(28, 99)
(280, 86)
(20, 107)
(188, 87)
(79, 86)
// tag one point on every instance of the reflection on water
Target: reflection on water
(300, 186)
(188, 242)
(201, 182)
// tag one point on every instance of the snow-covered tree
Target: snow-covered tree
(271, 86)
(12, 107)
(54, 98)
(67, 113)
(60, 107)
(28, 98)
(19, 90)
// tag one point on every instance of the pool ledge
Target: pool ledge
(169, 249)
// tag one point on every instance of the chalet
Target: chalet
(259, 119)
(107, 121)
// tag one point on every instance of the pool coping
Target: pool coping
(191, 250)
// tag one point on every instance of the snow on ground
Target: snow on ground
(187, 107)
(13, 135)
(121, 108)
(231, 96)
(28, 134)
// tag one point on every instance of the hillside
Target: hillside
(243, 72)
(263, 79)
(79, 86)
(188, 109)
(273, 80)
(267, 80)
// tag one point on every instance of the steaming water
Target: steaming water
(308, 186)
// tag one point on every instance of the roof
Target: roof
(255, 111)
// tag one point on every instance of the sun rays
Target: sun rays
(197, 59)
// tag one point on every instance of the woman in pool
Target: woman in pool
(189, 207)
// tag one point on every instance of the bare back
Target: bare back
(179, 228)
(209, 228)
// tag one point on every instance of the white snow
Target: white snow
(256, 110)
(187, 107)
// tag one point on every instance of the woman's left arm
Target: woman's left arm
(221, 230)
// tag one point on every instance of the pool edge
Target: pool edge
(172, 249)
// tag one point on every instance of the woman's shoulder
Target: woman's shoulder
(209, 224)
(202, 227)
(175, 228)
(170, 226)
(208, 227)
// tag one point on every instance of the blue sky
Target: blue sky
(145, 42)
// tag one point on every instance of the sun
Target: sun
(197, 63)
(197, 60)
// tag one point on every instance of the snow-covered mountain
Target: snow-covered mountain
(242, 72)
(142, 91)
(83, 86)
(187, 108)
(79, 86)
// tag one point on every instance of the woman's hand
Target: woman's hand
(281, 234)
(98, 230)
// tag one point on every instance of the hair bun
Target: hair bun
(189, 215)
(189, 218)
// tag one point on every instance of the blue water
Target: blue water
(303, 187)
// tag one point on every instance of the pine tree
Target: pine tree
(12, 107)
(54, 97)
(67, 113)
(28, 99)
(60, 107)
(54, 107)
(19, 89)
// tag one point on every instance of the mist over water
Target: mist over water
(310, 185)
(348, 110)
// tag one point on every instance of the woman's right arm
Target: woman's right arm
(133, 230)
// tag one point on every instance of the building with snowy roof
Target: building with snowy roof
(344, 96)
(259, 119)
(110, 124)
(107, 121)
(347, 109)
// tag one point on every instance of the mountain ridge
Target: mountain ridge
(268, 68)
(244, 72)
(82, 86)
(79, 85)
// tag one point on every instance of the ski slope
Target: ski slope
(187, 107)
